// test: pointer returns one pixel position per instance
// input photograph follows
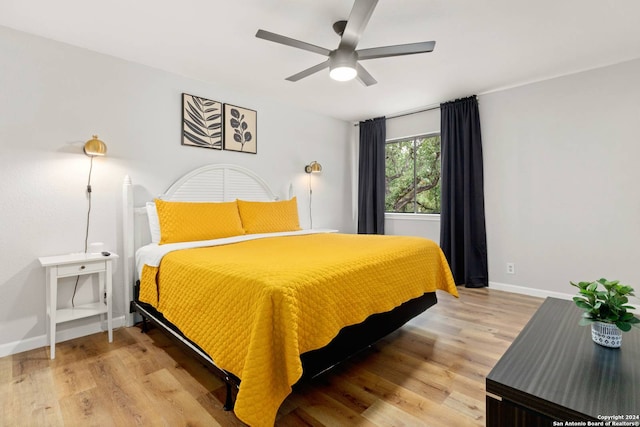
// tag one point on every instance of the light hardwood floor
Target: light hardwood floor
(431, 372)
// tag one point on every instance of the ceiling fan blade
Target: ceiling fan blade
(397, 50)
(277, 38)
(364, 76)
(358, 20)
(308, 71)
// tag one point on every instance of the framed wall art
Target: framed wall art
(240, 133)
(201, 122)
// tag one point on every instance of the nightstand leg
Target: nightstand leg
(52, 293)
(102, 292)
(109, 301)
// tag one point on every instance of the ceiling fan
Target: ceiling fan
(343, 61)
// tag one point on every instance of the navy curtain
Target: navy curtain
(462, 223)
(371, 182)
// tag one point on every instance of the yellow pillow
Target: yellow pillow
(191, 221)
(269, 217)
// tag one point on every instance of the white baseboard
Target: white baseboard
(543, 294)
(540, 293)
(65, 335)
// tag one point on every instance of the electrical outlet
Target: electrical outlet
(511, 268)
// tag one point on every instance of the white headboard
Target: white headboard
(210, 183)
(219, 183)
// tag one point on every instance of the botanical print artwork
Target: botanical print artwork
(240, 129)
(201, 122)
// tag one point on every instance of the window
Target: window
(412, 175)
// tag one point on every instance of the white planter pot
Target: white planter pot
(606, 334)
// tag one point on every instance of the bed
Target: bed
(260, 301)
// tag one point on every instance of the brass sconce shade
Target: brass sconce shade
(313, 167)
(95, 147)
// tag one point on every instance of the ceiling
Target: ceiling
(481, 45)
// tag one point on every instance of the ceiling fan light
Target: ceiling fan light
(343, 74)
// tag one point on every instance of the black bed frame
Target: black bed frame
(349, 341)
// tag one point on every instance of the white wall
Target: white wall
(561, 179)
(54, 97)
(427, 226)
(407, 224)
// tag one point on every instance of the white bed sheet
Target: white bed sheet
(152, 253)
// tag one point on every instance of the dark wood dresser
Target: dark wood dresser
(554, 372)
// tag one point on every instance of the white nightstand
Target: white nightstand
(77, 265)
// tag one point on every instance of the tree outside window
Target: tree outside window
(412, 175)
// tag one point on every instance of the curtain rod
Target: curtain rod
(437, 107)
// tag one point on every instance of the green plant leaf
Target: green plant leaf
(624, 326)
(612, 318)
(624, 289)
(625, 317)
(581, 285)
(583, 304)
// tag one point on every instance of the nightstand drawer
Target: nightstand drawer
(81, 268)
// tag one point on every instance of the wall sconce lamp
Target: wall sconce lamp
(92, 148)
(313, 167)
(95, 147)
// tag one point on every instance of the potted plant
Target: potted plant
(606, 310)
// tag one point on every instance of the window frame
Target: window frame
(414, 215)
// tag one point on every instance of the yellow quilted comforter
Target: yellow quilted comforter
(255, 306)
